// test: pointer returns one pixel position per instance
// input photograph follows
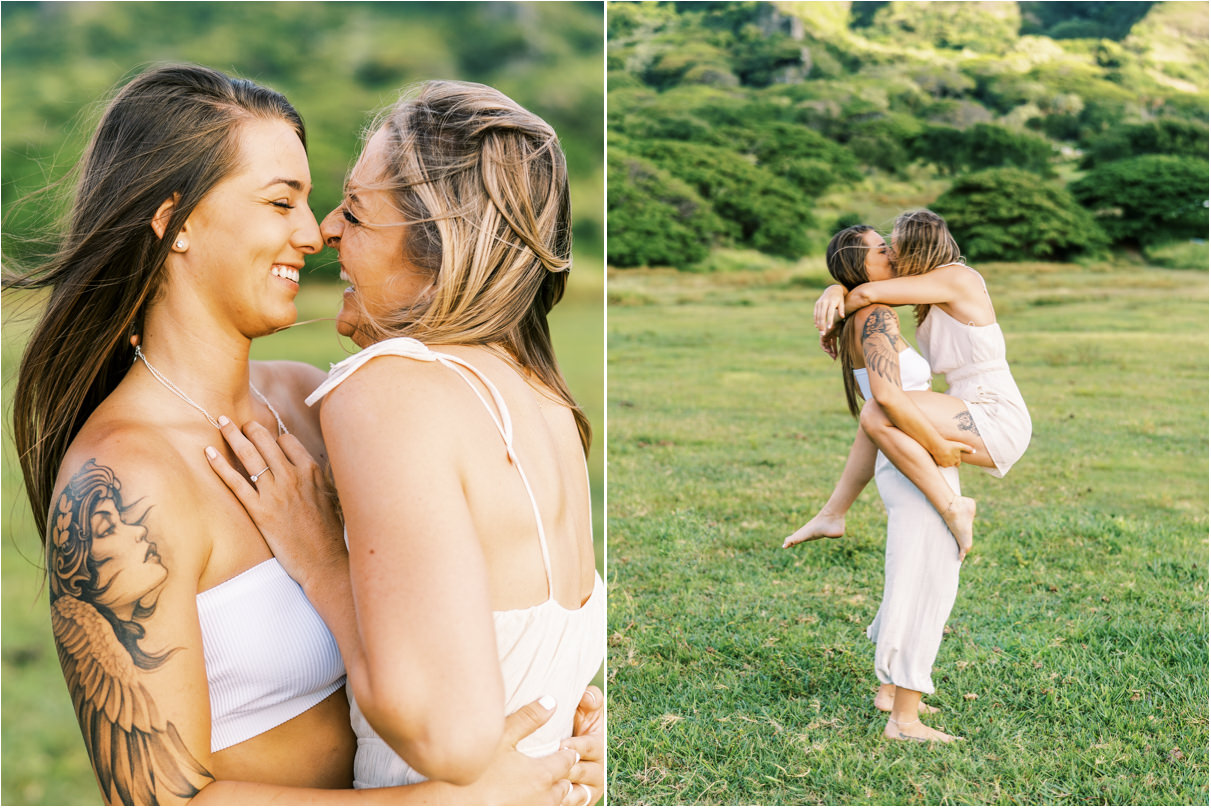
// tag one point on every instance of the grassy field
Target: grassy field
(42, 755)
(1075, 660)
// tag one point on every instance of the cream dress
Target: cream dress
(921, 564)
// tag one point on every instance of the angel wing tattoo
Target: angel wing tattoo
(104, 578)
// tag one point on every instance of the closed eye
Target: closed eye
(282, 204)
(349, 217)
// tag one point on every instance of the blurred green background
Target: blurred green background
(338, 63)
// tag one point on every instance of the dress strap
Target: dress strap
(415, 349)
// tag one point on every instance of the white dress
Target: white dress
(973, 359)
(544, 650)
(921, 563)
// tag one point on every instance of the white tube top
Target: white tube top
(269, 657)
(914, 373)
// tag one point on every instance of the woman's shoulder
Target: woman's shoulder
(287, 376)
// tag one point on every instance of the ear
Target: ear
(159, 222)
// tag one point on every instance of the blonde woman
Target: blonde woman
(982, 414)
(457, 450)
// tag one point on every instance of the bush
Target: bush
(1190, 254)
(764, 210)
(1005, 214)
(1148, 199)
(808, 160)
(1165, 136)
(655, 219)
(981, 146)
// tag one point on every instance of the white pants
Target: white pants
(920, 581)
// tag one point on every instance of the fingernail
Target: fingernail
(223, 420)
(547, 702)
(211, 453)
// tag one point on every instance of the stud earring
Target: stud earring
(180, 245)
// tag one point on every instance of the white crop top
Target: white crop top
(544, 650)
(915, 373)
(269, 657)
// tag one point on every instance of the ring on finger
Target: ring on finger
(256, 476)
(588, 795)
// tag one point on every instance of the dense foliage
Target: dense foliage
(337, 62)
(1149, 199)
(1006, 214)
(803, 112)
(658, 218)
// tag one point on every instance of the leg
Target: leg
(886, 698)
(904, 724)
(830, 521)
(915, 463)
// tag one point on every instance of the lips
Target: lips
(151, 553)
(287, 272)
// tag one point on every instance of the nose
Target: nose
(332, 227)
(307, 237)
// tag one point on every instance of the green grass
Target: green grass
(41, 751)
(1075, 660)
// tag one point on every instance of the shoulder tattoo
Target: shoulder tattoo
(105, 576)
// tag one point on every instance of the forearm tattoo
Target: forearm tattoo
(880, 334)
(105, 577)
(966, 422)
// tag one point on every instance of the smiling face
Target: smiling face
(368, 233)
(878, 260)
(244, 243)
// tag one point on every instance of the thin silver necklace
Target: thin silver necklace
(172, 388)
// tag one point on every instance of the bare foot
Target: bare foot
(960, 517)
(821, 526)
(887, 696)
(915, 731)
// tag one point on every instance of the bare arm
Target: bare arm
(123, 579)
(431, 683)
(879, 330)
(947, 285)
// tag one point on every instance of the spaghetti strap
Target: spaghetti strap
(415, 349)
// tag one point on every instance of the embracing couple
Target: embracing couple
(211, 602)
(911, 439)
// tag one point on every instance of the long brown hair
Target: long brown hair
(922, 243)
(172, 132)
(846, 260)
(483, 185)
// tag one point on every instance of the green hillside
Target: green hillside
(762, 126)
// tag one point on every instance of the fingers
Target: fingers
(589, 750)
(267, 447)
(235, 481)
(590, 713)
(592, 699)
(295, 451)
(529, 718)
(245, 451)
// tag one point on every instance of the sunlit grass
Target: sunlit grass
(1076, 657)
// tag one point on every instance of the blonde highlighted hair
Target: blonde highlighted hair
(483, 186)
(922, 243)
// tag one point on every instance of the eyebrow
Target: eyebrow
(295, 184)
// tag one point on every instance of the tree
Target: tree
(763, 211)
(1148, 199)
(655, 219)
(1165, 136)
(1006, 214)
